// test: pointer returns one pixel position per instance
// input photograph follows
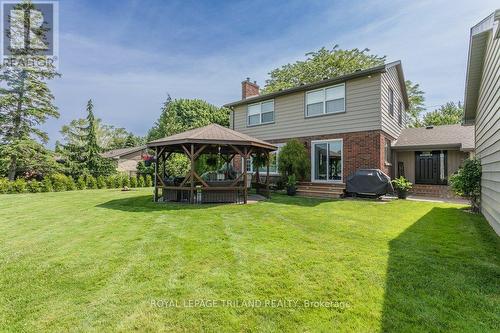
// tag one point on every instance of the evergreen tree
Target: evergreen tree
(92, 148)
(82, 152)
(25, 100)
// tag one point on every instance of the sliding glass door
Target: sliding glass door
(326, 160)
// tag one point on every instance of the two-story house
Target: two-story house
(352, 122)
(346, 122)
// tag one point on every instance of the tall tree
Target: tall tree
(319, 65)
(108, 136)
(416, 99)
(81, 151)
(182, 114)
(92, 148)
(25, 100)
(447, 114)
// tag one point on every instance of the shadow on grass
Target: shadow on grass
(443, 275)
(145, 204)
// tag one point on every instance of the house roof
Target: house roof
(330, 81)
(479, 37)
(212, 134)
(117, 153)
(437, 137)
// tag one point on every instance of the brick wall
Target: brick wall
(361, 150)
(436, 191)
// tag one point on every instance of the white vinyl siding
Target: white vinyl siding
(260, 113)
(325, 101)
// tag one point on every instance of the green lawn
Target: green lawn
(108, 260)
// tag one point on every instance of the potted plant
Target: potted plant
(402, 186)
(291, 184)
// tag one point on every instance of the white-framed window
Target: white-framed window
(326, 100)
(273, 165)
(260, 113)
(391, 102)
(327, 160)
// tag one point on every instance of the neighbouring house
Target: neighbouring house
(427, 156)
(482, 108)
(127, 158)
(346, 123)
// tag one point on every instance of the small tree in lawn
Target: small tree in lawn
(466, 182)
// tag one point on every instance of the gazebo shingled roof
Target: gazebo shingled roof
(212, 134)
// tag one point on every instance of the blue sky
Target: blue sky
(127, 55)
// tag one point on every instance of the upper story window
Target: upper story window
(400, 113)
(325, 101)
(260, 113)
(391, 102)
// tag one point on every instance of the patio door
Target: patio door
(326, 161)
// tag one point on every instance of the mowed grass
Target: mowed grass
(107, 260)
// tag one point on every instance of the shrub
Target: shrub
(4, 185)
(117, 181)
(34, 186)
(60, 182)
(149, 181)
(125, 180)
(81, 184)
(91, 182)
(133, 181)
(110, 181)
(140, 181)
(18, 186)
(293, 160)
(47, 185)
(466, 182)
(101, 182)
(71, 185)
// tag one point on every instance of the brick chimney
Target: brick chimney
(249, 89)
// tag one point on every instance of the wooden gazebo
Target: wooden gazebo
(211, 139)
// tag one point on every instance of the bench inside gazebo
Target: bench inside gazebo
(213, 139)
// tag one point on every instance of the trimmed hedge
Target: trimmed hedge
(59, 182)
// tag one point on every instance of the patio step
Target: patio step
(320, 190)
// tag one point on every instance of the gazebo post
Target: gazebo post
(155, 197)
(268, 194)
(245, 189)
(191, 157)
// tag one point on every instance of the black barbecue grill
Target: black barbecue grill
(369, 182)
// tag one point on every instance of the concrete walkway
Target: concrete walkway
(434, 199)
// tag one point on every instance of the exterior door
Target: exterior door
(427, 167)
(326, 160)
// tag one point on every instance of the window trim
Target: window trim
(313, 166)
(260, 118)
(391, 102)
(324, 101)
